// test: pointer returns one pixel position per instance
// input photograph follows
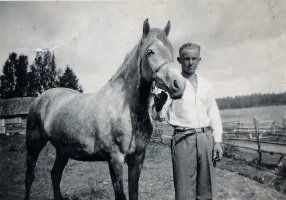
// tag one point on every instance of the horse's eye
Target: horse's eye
(149, 52)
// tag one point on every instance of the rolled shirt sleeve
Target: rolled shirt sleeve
(215, 121)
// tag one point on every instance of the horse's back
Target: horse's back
(49, 103)
(55, 96)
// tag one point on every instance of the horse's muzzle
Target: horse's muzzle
(171, 80)
(177, 88)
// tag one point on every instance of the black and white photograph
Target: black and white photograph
(143, 100)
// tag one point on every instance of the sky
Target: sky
(243, 43)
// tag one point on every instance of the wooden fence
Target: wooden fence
(260, 136)
(162, 132)
(13, 128)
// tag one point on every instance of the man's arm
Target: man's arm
(215, 121)
(155, 114)
(157, 108)
(216, 124)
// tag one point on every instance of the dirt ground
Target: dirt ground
(91, 180)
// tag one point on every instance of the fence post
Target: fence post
(273, 130)
(238, 126)
(256, 125)
(273, 127)
(284, 123)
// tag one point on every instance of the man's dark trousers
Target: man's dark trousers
(193, 169)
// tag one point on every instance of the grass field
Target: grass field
(91, 180)
(261, 113)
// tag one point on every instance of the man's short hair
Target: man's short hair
(189, 46)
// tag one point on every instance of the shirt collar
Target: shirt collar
(198, 84)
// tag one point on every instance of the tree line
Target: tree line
(253, 100)
(19, 79)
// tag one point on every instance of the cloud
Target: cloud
(251, 67)
(219, 24)
(240, 40)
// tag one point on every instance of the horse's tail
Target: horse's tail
(35, 122)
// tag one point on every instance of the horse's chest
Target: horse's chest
(122, 124)
(131, 125)
(131, 134)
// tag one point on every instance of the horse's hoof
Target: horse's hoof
(62, 198)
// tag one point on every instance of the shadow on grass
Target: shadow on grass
(245, 163)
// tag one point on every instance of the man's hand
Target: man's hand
(217, 152)
(160, 100)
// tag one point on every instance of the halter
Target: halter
(154, 71)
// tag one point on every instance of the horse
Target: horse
(111, 125)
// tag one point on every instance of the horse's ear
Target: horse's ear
(146, 27)
(167, 28)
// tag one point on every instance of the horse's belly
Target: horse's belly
(82, 149)
(83, 156)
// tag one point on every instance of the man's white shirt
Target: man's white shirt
(196, 109)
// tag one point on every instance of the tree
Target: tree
(43, 74)
(252, 100)
(8, 80)
(49, 73)
(34, 82)
(69, 80)
(21, 76)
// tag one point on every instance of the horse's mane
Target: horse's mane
(130, 63)
(127, 66)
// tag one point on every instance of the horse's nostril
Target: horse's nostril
(176, 86)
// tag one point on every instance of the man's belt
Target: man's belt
(191, 131)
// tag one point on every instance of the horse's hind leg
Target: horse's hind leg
(57, 173)
(116, 173)
(34, 145)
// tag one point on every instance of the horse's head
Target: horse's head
(157, 61)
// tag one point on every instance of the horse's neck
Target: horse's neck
(141, 96)
(128, 81)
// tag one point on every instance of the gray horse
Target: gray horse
(111, 125)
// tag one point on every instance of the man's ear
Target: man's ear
(178, 59)
(200, 59)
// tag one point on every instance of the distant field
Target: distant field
(261, 113)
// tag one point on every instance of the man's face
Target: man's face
(189, 60)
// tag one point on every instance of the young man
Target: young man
(196, 144)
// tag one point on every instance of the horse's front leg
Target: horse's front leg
(135, 164)
(116, 173)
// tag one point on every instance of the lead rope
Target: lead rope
(153, 88)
